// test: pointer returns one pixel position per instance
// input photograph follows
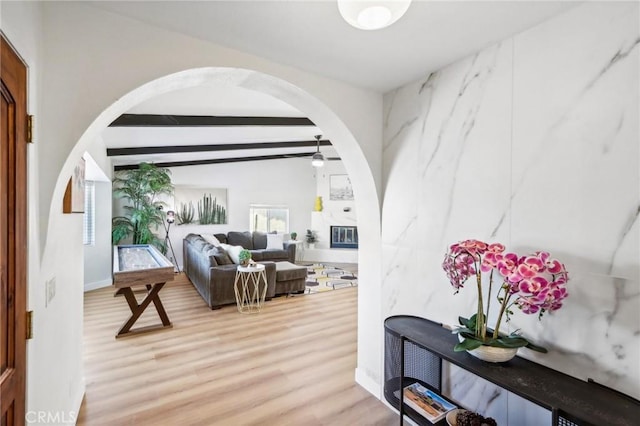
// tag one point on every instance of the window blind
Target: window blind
(89, 217)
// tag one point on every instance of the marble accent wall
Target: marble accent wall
(532, 142)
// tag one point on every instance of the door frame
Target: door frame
(13, 77)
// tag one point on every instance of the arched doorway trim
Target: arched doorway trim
(366, 196)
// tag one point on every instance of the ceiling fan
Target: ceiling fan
(317, 158)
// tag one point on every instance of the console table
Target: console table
(415, 348)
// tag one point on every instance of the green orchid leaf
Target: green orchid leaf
(536, 348)
(467, 345)
(510, 342)
(469, 334)
(464, 322)
(462, 330)
(469, 323)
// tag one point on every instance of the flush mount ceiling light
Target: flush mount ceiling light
(371, 14)
(318, 159)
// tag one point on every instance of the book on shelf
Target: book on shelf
(428, 404)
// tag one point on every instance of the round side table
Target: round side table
(249, 295)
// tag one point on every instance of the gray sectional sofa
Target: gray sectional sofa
(213, 274)
(256, 243)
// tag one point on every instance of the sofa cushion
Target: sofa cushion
(220, 255)
(270, 254)
(199, 244)
(233, 252)
(222, 238)
(243, 239)
(192, 237)
(211, 254)
(259, 240)
(257, 255)
(286, 271)
(274, 241)
(211, 239)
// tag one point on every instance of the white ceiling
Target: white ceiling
(211, 100)
(309, 35)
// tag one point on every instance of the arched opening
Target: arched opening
(366, 196)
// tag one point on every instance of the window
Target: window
(269, 218)
(89, 216)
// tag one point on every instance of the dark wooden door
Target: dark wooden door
(13, 236)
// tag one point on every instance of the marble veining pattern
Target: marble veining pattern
(532, 142)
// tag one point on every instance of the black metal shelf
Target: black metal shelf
(395, 401)
(572, 401)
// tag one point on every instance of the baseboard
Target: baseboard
(330, 255)
(97, 284)
(78, 400)
(368, 383)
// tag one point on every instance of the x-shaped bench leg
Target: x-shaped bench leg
(138, 309)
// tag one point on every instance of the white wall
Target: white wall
(532, 142)
(86, 67)
(289, 183)
(55, 382)
(332, 214)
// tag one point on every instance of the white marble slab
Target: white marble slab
(533, 142)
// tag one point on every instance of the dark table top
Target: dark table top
(542, 385)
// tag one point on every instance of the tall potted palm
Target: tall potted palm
(141, 188)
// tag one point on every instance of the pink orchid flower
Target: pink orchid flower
(490, 261)
(527, 306)
(533, 285)
(496, 248)
(537, 281)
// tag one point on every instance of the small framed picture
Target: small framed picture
(73, 201)
(340, 188)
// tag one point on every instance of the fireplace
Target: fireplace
(344, 237)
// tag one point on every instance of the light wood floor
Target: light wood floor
(292, 364)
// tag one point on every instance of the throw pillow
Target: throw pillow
(274, 241)
(211, 239)
(233, 252)
(243, 239)
(259, 240)
(221, 256)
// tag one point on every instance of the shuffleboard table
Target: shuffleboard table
(135, 265)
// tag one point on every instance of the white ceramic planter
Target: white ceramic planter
(491, 353)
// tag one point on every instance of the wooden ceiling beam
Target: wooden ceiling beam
(174, 149)
(164, 120)
(223, 160)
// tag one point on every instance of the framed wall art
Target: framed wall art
(200, 205)
(340, 188)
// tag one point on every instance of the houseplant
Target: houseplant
(535, 284)
(310, 238)
(294, 235)
(244, 257)
(142, 188)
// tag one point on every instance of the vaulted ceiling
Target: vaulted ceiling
(208, 125)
